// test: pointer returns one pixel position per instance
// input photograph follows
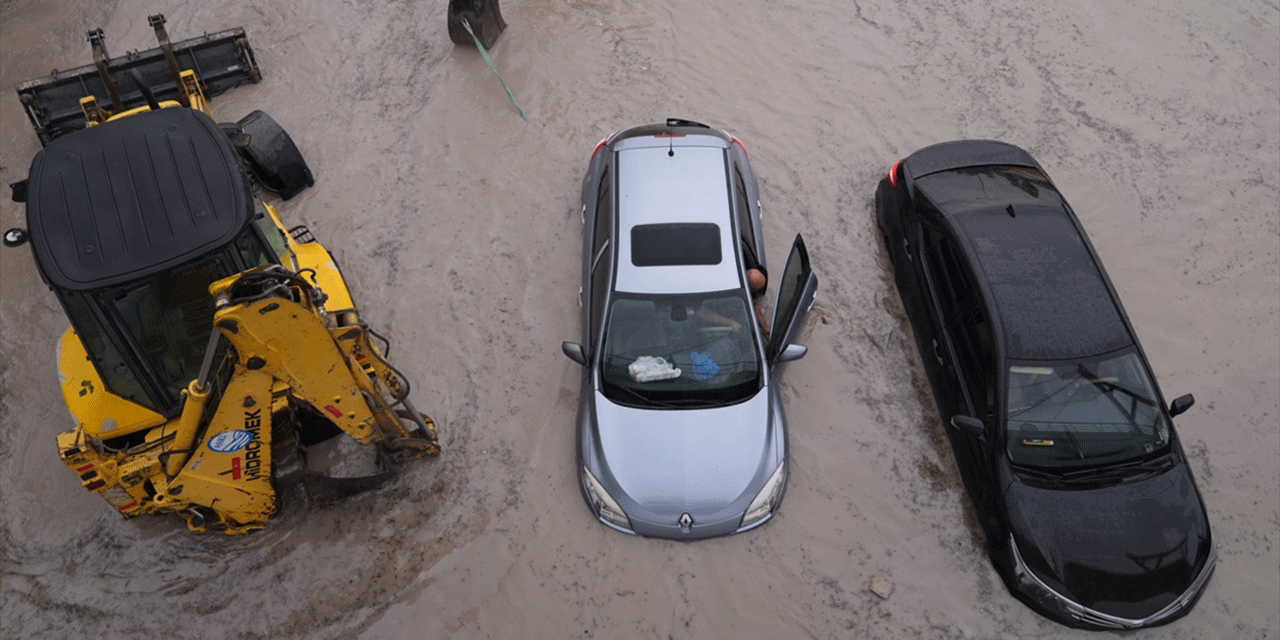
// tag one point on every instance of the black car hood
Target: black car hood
(1126, 549)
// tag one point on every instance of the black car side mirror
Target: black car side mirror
(1180, 404)
(970, 425)
(575, 352)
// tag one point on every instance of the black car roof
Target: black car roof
(965, 153)
(1052, 296)
(133, 196)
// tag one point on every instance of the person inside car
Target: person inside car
(757, 282)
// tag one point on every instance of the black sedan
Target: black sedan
(1060, 432)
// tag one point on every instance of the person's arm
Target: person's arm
(711, 316)
(764, 324)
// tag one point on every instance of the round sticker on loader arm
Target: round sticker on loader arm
(230, 441)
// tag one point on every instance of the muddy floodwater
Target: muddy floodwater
(457, 225)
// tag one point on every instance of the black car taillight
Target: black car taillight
(893, 173)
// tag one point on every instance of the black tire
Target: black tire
(273, 157)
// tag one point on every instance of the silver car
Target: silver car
(681, 432)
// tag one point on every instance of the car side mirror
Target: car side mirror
(792, 352)
(575, 352)
(16, 237)
(1180, 404)
(969, 425)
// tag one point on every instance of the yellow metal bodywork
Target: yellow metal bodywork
(214, 463)
(95, 114)
(99, 412)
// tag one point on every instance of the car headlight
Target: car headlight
(1033, 586)
(602, 503)
(1036, 588)
(767, 499)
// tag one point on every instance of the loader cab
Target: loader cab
(130, 222)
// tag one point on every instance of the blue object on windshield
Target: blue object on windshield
(704, 368)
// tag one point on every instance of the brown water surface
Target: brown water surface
(457, 224)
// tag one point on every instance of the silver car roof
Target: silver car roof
(674, 180)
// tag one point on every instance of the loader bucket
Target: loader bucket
(221, 61)
(485, 19)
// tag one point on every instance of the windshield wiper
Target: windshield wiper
(1119, 472)
(688, 402)
(1046, 398)
(1106, 387)
(1071, 434)
(668, 404)
(1035, 472)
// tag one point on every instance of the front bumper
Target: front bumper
(1075, 614)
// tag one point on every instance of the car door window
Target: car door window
(745, 228)
(974, 352)
(951, 281)
(599, 287)
(952, 292)
(602, 253)
(603, 227)
(796, 289)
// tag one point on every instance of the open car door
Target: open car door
(796, 289)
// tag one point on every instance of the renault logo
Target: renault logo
(686, 521)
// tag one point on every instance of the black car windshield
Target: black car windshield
(681, 351)
(980, 187)
(1088, 413)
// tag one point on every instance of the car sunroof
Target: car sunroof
(661, 245)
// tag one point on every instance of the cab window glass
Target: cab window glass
(251, 249)
(169, 317)
(115, 372)
(274, 234)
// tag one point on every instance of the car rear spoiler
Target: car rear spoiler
(966, 153)
(221, 61)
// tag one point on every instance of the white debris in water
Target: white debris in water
(881, 586)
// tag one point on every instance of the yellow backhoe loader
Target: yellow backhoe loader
(209, 344)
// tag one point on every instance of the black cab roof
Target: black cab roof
(130, 197)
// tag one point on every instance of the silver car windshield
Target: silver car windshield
(680, 351)
(1088, 413)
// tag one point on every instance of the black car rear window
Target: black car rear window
(660, 245)
(972, 187)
